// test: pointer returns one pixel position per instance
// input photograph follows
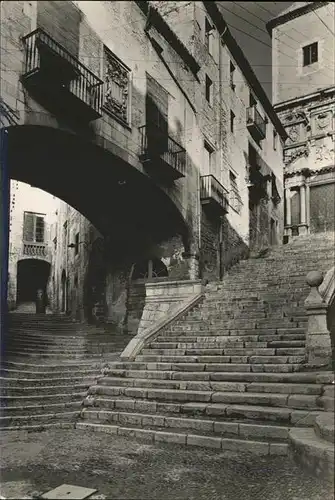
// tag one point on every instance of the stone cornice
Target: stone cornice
(320, 95)
(307, 172)
(293, 14)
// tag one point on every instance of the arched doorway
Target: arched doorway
(32, 275)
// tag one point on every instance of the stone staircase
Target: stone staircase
(47, 366)
(230, 374)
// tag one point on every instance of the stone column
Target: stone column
(303, 228)
(4, 225)
(308, 198)
(318, 342)
(288, 221)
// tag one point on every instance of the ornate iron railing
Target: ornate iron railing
(156, 143)
(211, 188)
(255, 118)
(84, 85)
(34, 249)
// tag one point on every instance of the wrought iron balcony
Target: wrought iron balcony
(57, 79)
(256, 123)
(161, 153)
(34, 249)
(212, 193)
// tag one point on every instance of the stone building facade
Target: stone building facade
(166, 143)
(32, 214)
(304, 98)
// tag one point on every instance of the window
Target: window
(208, 159)
(232, 118)
(234, 196)
(209, 36)
(310, 54)
(209, 90)
(275, 140)
(76, 244)
(33, 227)
(117, 87)
(231, 73)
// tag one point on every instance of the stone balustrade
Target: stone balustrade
(318, 341)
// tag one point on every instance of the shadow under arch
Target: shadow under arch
(32, 275)
(113, 194)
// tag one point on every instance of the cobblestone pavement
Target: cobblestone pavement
(122, 468)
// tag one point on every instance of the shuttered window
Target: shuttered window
(33, 227)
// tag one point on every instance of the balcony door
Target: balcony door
(157, 107)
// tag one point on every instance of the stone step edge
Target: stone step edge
(50, 406)
(248, 386)
(298, 376)
(76, 374)
(40, 427)
(43, 396)
(182, 421)
(269, 405)
(17, 418)
(255, 447)
(204, 408)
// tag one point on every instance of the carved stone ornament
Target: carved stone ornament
(294, 133)
(116, 87)
(322, 153)
(323, 121)
(292, 154)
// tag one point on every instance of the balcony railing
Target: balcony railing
(56, 73)
(34, 249)
(256, 123)
(163, 152)
(212, 192)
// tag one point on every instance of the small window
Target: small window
(275, 140)
(310, 54)
(55, 243)
(76, 244)
(232, 121)
(234, 196)
(209, 90)
(208, 159)
(209, 36)
(231, 75)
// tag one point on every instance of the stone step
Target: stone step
(276, 338)
(8, 382)
(40, 409)
(153, 436)
(62, 350)
(19, 353)
(231, 351)
(8, 373)
(229, 343)
(212, 385)
(215, 367)
(221, 411)
(31, 390)
(297, 401)
(252, 359)
(64, 366)
(9, 401)
(203, 426)
(44, 418)
(310, 378)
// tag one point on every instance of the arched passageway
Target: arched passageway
(32, 280)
